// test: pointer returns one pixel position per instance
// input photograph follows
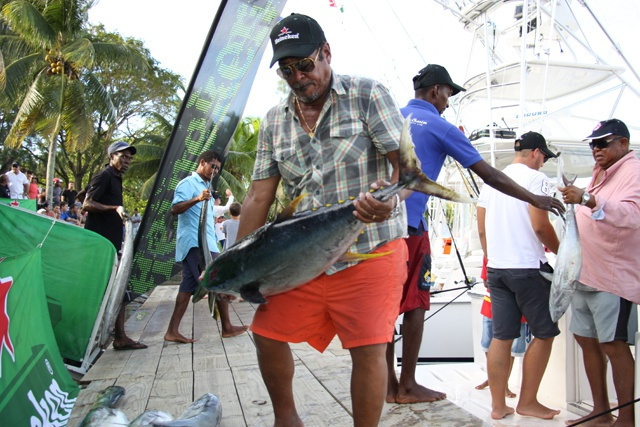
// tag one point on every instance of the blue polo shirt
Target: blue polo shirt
(189, 220)
(434, 139)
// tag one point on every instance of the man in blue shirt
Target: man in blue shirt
(187, 199)
(434, 139)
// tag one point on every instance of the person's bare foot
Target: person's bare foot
(127, 343)
(508, 393)
(392, 390)
(179, 338)
(418, 394)
(537, 410)
(500, 413)
(482, 386)
(235, 331)
(605, 420)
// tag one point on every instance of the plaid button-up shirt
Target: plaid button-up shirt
(359, 123)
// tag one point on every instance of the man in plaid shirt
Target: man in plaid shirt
(331, 139)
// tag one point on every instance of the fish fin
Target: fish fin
(199, 294)
(251, 293)
(412, 176)
(547, 275)
(290, 209)
(213, 307)
(351, 256)
(569, 178)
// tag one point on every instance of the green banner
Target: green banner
(210, 112)
(35, 386)
(76, 266)
(23, 203)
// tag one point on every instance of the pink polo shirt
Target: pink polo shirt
(611, 237)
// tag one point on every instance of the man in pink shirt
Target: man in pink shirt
(610, 233)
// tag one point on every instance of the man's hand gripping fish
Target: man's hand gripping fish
(295, 249)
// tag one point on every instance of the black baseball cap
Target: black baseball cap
(531, 141)
(120, 146)
(15, 164)
(434, 74)
(609, 127)
(295, 36)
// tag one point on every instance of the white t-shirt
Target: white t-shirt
(219, 233)
(16, 184)
(511, 241)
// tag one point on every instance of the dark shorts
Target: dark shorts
(518, 292)
(416, 291)
(191, 270)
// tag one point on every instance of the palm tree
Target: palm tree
(238, 165)
(47, 68)
(150, 148)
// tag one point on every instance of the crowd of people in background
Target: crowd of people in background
(65, 206)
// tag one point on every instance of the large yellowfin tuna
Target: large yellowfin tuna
(296, 248)
(568, 264)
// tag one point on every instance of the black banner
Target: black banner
(208, 117)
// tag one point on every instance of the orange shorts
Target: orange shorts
(360, 304)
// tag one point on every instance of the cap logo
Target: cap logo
(598, 126)
(285, 34)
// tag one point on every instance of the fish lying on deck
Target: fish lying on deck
(204, 412)
(294, 249)
(150, 419)
(568, 264)
(102, 413)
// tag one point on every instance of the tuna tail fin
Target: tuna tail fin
(290, 209)
(547, 276)
(412, 177)
(351, 256)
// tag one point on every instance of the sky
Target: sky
(370, 38)
(388, 40)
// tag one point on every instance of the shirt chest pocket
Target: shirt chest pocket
(290, 162)
(349, 140)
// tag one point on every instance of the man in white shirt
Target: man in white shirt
(512, 233)
(18, 182)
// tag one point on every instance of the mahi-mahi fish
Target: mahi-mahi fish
(296, 248)
(568, 264)
(102, 412)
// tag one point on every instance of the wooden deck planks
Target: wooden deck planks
(170, 376)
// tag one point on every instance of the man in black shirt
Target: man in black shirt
(104, 204)
(69, 195)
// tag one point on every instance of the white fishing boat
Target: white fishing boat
(564, 75)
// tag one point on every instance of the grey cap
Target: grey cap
(120, 146)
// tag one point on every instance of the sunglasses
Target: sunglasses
(602, 143)
(214, 167)
(305, 65)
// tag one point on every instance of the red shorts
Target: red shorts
(360, 304)
(413, 295)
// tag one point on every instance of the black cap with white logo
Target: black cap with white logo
(295, 36)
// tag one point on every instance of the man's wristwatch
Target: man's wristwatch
(585, 198)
